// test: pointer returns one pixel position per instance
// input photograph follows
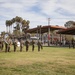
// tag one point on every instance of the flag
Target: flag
(48, 36)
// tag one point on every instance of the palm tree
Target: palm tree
(27, 24)
(10, 25)
(18, 21)
(23, 25)
(20, 24)
(7, 24)
(13, 21)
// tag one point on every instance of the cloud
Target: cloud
(48, 7)
(59, 11)
(68, 5)
(37, 11)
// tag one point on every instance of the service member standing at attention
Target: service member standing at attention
(0, 45)
(21, 45)
(39, 45)
(15, 45)
(27, 45)
(33, 45)
(9, 44)
(6, 44)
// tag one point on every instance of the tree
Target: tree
(2, 34)
(16, 33)
(18, 27)
(69, 24)
(18, 21)
(7, 24)
(13, 20)
(21, 25)
(25, 25)
(10, 25)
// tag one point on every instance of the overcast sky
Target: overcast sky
(37, 11)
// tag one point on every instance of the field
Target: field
(49, 61)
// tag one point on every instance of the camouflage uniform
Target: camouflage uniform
(27, 45)
(32, 45)
(73, 42)
(69, 43)
(21, 45)
(39, 45)
(6, 45)
(15, 45)
(9, 43)
(0, 45)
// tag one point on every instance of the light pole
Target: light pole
(37, 33)
(49, 32)
(40, 32)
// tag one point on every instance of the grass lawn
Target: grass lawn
(49, 61)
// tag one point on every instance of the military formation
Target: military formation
(8, 43)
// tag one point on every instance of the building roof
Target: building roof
(69, 31)
(44, 29)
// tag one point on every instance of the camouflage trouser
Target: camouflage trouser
(9, 49)
(14, 48)
(38, 48)
(32, 47)
(0, 47)
(20, 48)
(27, 48)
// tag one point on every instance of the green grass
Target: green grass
(49, 61)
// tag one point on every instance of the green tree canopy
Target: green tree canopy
(69, 24)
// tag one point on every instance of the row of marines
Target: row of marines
(8, 42)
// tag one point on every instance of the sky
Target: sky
(37, 11)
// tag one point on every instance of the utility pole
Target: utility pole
(49, 32)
